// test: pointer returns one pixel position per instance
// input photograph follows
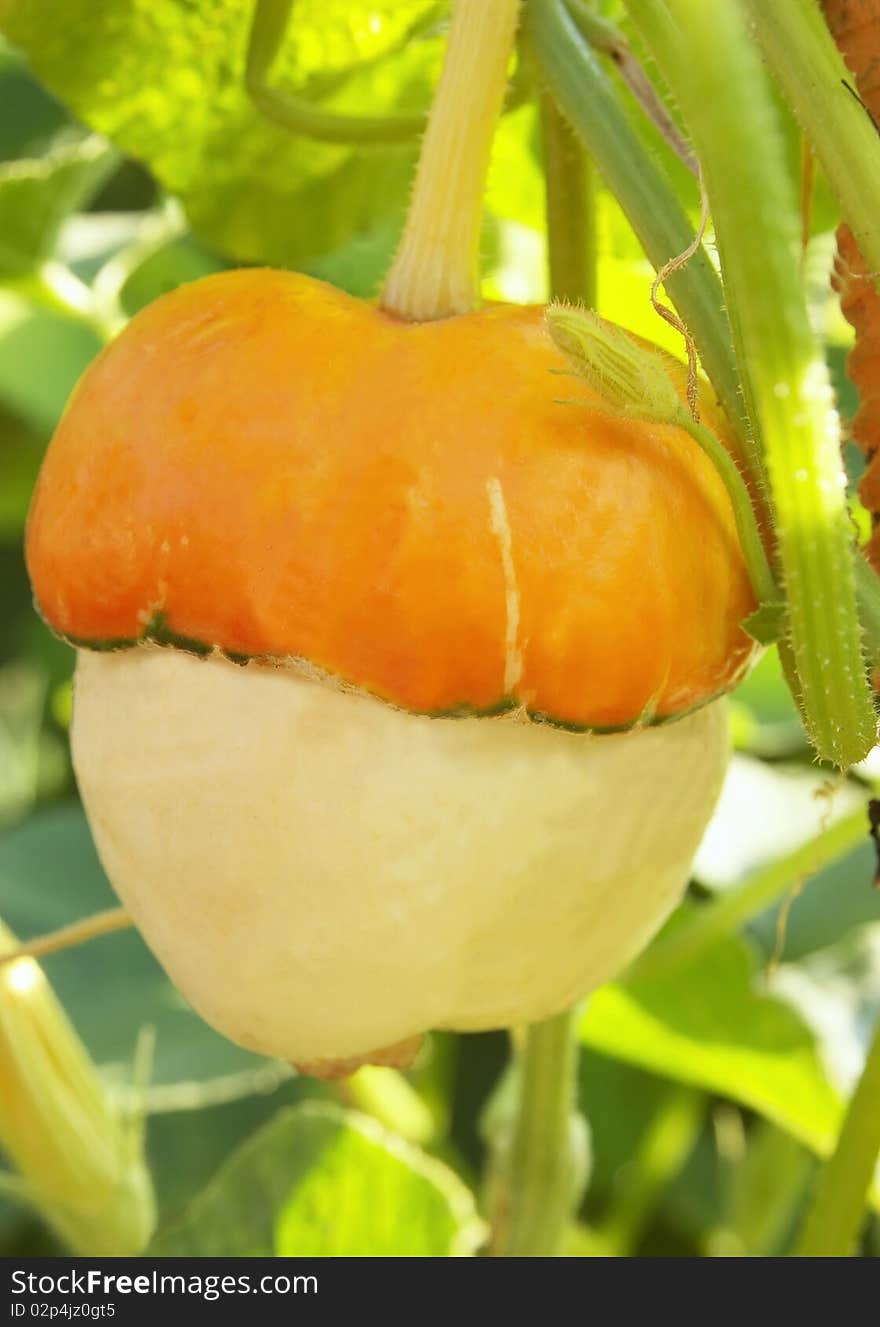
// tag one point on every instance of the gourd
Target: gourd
(398, 702)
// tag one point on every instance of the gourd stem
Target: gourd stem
(436, 271)
(832, 1224)
(541, 1179)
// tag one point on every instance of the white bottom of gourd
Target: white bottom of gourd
(323, 875)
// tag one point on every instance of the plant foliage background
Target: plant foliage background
(714, 1074)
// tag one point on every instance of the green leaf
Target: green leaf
(21, 451)
(37, 194)
(30, 114)
(836, 991)
(22, 700)
(49, 876)
(166, 82)
(836, 903)
(707, 1024)
(185, 1149)
(767, 623)
(319, 1181)
(764, 1196)
(41, 357)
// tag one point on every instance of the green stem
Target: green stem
(300, 116)
(436, 270)
(575, 76)
(571, 211)
(605, 37)
(704, 925)
(833, 1222)
(663, 1149)
(307, 120)
(721, 87)
(767, 592)
(541, 1176)
(801, 52)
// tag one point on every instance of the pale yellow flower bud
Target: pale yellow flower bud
(80, 1162)
(633, 380)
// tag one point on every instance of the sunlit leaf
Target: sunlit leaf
(165, 81)
(41, 357)
(319, 1181)
(709, 1024)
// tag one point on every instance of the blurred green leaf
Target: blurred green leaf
(833, 905)
(621, 1102)
(169, 267)
(49, 876)
(764, 1195)
(765, 691)
(186, 1148)
(37, 194)
(41, 357)
(21, 451)
(836, 991)
(30, 114)
(319, 1181)
(32, 761)
(708, 1025)
(166, 82)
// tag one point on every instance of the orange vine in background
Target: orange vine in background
(855, 25)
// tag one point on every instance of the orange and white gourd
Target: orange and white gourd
(398, 697)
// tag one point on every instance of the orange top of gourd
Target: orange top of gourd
(267, 466)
